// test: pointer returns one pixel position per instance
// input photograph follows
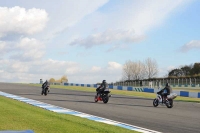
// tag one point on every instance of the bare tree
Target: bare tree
(133, 70)
(151, 68)
(139, 70)
(127, 70)
(141, 74)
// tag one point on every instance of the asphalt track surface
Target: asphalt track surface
(184, 117)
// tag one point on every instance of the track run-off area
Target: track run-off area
(183, 117)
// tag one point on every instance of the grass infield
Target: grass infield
(16, 115)
(121, 92)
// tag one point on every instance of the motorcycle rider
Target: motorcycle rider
(101, 88)
(165, 92)
(44, 85)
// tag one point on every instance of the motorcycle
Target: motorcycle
(102, 96)
(45, 90)
(168, 101)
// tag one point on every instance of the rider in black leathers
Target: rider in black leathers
(102, 87)
(44, 85)
(165, 92)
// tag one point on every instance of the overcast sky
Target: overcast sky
(90, 40)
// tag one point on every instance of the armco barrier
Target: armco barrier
(148, 90)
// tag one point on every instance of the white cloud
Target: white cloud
(108, 36)
(22, 21)
(124, 24)
(112, 72)
(15, 71)
(28, 49)
(118, 46)
(19, 67)
(30, 43)
(95, 69)
(2, 45)
(114, 66)
(194, 44)
(34, 70)
(170, 68)
(72, 12)
(6, 47)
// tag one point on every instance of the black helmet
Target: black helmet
(103, 81)
(167, 84)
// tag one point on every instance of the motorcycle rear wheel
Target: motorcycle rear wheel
(170, 103)
(105, 98)
(45, 92)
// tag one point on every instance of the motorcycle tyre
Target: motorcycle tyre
(95, 99)
(155, 102)
(105, 98)
(45, 92)
(170, 104)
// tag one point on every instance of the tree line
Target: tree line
(192, 70)
(62, 79)
(137, 70)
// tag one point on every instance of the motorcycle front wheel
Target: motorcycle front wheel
(95, 99)
(155, 102)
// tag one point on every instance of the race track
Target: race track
(184, 117)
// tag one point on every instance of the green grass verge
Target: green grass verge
(187, 89)
(15, 115)
(121, 92)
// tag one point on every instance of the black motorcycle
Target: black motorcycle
(102, 96)
(45, 90)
